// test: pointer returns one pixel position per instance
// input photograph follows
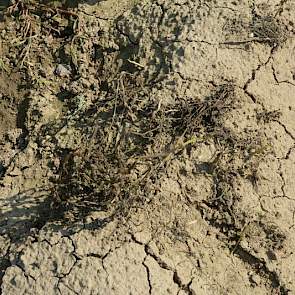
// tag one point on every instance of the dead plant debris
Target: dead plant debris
(266, 29)
(130, 139)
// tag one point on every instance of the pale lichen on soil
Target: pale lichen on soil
(147, 147)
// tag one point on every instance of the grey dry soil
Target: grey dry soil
(148, 148)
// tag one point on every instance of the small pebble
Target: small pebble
(63, 70)
(255, 279)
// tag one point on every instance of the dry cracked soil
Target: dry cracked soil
(147, 147)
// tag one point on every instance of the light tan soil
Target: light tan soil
(204, 203)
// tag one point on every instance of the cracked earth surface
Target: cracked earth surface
(187, 238)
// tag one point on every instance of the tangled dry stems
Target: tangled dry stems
(131, 141)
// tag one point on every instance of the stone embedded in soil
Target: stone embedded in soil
(63, 70)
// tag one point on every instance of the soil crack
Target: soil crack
(148, 275)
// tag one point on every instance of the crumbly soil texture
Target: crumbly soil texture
(147, 147)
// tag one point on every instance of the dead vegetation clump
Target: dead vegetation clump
(268, 30)
(30, 21)
(130, 141)
(268, 117)
(236, 158)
